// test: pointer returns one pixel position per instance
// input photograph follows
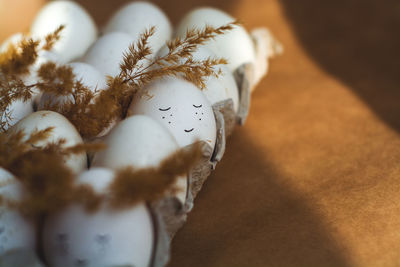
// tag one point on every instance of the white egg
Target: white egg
(138, 16)
(16, 231)
(140, 142)
(63, 129)
(236, 46)
(216, 89)
(79, 33)
(86, 74)
(74, 237)
(181, 107)
(17, 110)
(107, 52)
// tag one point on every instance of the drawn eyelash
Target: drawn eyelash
(197, 106)
(164, 109)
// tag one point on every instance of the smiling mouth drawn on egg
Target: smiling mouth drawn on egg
(188, 131)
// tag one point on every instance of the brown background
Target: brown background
(313, 178)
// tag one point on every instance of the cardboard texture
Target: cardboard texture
(313, 178)
(162, 241)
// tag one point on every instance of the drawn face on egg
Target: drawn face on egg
(181, 108)
(103, 239)
(106, 237)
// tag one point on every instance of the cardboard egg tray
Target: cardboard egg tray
(169, 213)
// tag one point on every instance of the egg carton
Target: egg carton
(172, 212)
(169, 214)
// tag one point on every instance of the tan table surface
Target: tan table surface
(313, 178)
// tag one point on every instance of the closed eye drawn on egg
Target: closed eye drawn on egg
(102, 239)
(188, 131)
(164, 109)
(81, 262)
(197, 106)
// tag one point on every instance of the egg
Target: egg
(86, 74)
(17, 110)
(16, 231)
(74, 237)
(139, 16)
(140, 142)
(63, 129)
(216, 89)
(107, 52)
(236, 45)
(181, 107)
(79, 33)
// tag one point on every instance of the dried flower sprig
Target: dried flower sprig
(52, 38)
(45, 176)
(131, 186)
(41, 170)
(92, 113)
(15, 65)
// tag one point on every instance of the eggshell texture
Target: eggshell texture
(15, 230)
(87, 74)
(236, 46)
(17, 110)
(181, 107)
(79, 33)
(216, 89)
(107, 52)
(140, 142)
(74, 237)
(63, 129)
(139, 16)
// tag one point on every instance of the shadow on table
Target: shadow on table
(247, 216)
(357, 41)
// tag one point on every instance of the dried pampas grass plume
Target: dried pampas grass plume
(48, 183)
(93, 112)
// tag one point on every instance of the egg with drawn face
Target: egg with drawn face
(16, 231)
(181, 107)
(103, 238)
